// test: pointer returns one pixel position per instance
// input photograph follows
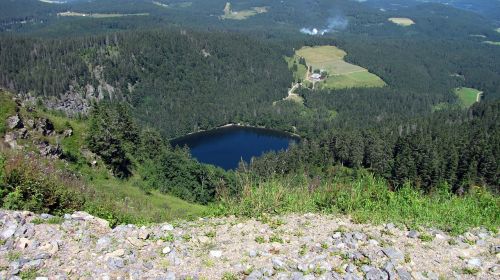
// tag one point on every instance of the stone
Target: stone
(166, 250)
(45, 216)
(14, 122)
(203, 239)
(41, 278)
(23, 243)
(252, 253)
(413, 234)
(136, 242)
(170, 276)
(10, 229)
(215, 254)
(116, 263)
(350, 268)
(34, 264)
(393, 254)
(376, 274)
(103, 243)
(475, 262)
(495, 270)
(389, 269)
(278, 263)
(143, 235)
(167, 227)
(495, 249)
(117, 253)
(403, 274)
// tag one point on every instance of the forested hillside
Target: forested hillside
(220, 77)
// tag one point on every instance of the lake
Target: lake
(226, 146)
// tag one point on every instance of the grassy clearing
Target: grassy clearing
(357, 79)
(492, 43)
(497, 30)
(98, 15)
(467, 96)
(229, 13)
(367, 199)
(402, 21)
(341, 74)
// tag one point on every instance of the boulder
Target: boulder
(14, 122)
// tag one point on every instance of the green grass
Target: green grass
(7, 109)
(300, 74)
(367, 199)
(119, 201)
(52, 220)
(341, 74)
(467, 96)
(351, 80)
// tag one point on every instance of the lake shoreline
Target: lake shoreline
(228, 125)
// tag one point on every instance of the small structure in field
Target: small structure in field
(316, 77)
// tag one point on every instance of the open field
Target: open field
(492, 43)
(497, 30)
(402, 21)
(243, 14)
(98, 15)
(467, 96)
(341, 74)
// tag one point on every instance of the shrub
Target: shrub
(37, 185)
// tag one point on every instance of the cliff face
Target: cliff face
(80, 246)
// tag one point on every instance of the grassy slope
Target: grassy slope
(123, 197)
(341, 73)
(467, 96)
(367, 199)
(7, 108)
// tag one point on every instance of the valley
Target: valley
(325, 139)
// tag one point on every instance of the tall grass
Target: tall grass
(366, 199)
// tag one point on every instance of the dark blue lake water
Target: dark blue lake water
(225, 147)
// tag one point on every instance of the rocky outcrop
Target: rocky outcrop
(80, 246)
(34, 130)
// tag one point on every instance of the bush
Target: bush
(34, 184)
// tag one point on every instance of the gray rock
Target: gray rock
(393, 254)
(365, 268)
(252, 253)
(495, 270)
(336, 276)
(350, 268)
(103, 243)
(45, 216)
(376, 274)
(42, 256)
(303, 267)
(278, 263)
(256, 274)
(116, 263)
(474, 262)
(390, 226)
(413, 234)
(297, 276)
(14, 122)
(170, 276)
(267, 271)
(495, 249)
(403, 274)
(351, 276)
(389, 269)
(34, 264)
(10, 229)
(359, 236)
